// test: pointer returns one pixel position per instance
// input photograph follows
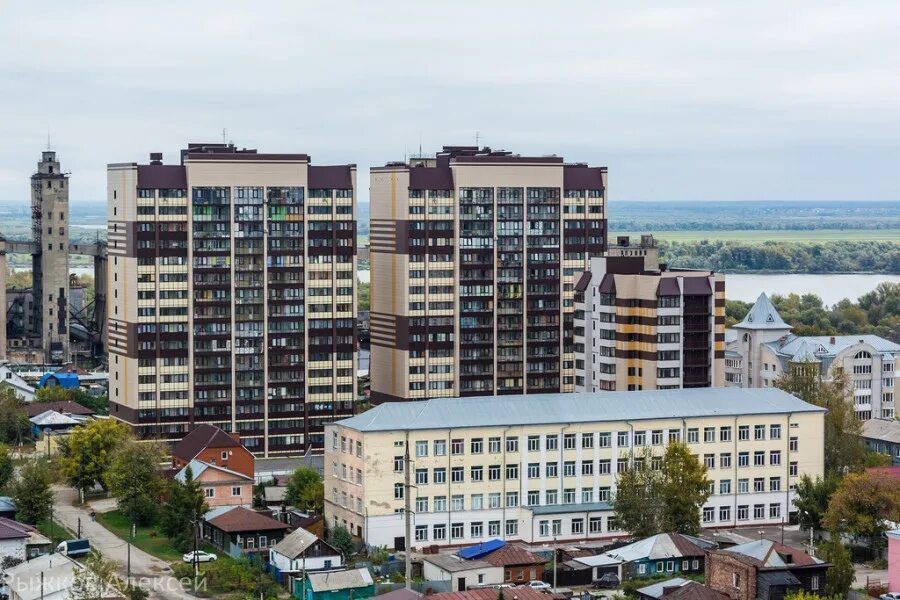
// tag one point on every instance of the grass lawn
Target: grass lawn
(158, 545)
(771, 235)
(55, 532)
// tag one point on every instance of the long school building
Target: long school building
(232, 296)
(543, 467)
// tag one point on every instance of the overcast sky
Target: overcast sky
(714, 100)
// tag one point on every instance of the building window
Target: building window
(512, 471)
(477, 446)
(604, 439)
(775, 431)
(743, 459)
(440, 476)
(456, 447)
(494, 445)
(457, 530)
(569, 441)
(398, 491)
(493, 528)
(814, 583)
(775, 457)
(725, 434)
(440, 447)
(693, 435)
(512, 527)
(209, 492)
(235, 491)
(494, 472)
(476, 501)
(552, 469)
(724, 515)
(622, 439)
(534, 443)
(556, 527)
(725, 460)
(709, 514)
(543, 528)
(477, 473)
(759, 459)
(656, 437)
(595, 525)
(736, 580)
(421, 449)
(743, 433)
(709, 434)
(794, 444)
(552, 442)
(421, 505)
(398, 464)
(759, 432)
(421, 533)
(743, 512)
(577, 526)
(759, 511)
(774, 511)
(512, 444)
(458, 474)
(439, 532)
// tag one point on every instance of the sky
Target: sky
(711, 100)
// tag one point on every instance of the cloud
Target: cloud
(705, 100)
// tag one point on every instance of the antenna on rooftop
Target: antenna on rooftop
(224, 136)
(48, 138)
(477, 137)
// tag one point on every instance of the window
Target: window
(774, 484)
(398, 464)
(534, 470)
(421, 505)
(603, 494)
(595, 524)
(236, 491)
(724, 517)
(440, 503)
(743, 512)
(421, 449)
(552, 497)
(775, 431)
(493, 528)
(794, 444)
(604, 439)
(457, 502)
(759, 484)
(656, 437)
(759, 511)
(534, 443)
(477, 446)
(512, 527)
(587, 467)
(544, 528)
(674, 436)
(724, 434)
(709, 461)
(494, 445)
(743, 459)
(552, 442)
(693, 435)
(743, 486)
(512, 471)
(792, 469)
(440, 447)
(477, 473)
(512, 444)
(512, 499)
(556, 526)
(439, 531)
(421, 533)
(725, 486)
(814, 583)
(568, 496)
(398, 491)
(533, 498)
(569, 468)
(552, 469)
(709, 434)
(440, 476)
(743, 433)
(458, 474)
(759, 432)
(775, 457)
(622, 438)
(709, 514)
(421, 476)
(577, 526)
(759, 458)
(587, 440)
(569, 441)
(736, 580)
(494, 500)
(775, 511)
(640, 438)
(209, 492)
(603, 466)
(587, 496)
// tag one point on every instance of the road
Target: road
(151, 573)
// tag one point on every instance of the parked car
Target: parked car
(201, 556)
(538, 585)
(890, 596)
(74, 548)
(607, 581)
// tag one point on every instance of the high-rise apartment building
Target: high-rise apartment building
(474, 254)
(232, 296)
(50, 261)
(642, 326)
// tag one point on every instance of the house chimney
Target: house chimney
(235, 436)
(832, 340)
(156, 158)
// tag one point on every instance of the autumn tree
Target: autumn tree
(14, 425)
(812, 499)
(134, 479)
(88, 452)
(661, 494)
(182, 510)
(31, 491)
(840, 575)
(305, 490)
(6, 466)
(863, 504)
(844, 447)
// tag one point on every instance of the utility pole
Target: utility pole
(79, 528)
(407, 513)
(129, 563)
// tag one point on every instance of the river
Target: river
(748, 286)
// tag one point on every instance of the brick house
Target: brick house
(209, 444)
(238, 530)
(519, 565)
(765, 570)
(221, 486)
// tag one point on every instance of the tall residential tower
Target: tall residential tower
(474, 254)
(233, 296)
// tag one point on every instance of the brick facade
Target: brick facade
(720, 575)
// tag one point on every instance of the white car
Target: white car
(201, 556)
(890, 596)
(539, 585)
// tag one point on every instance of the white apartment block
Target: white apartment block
(543, 467)
(761, 348)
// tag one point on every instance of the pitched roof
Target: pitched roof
(7, 504)
(294, 544)
(763, 315)
(198, 467)
(693, 590)
(660, 546)
(65, 407)
(655, 590)
(886, 430)
(52, 418)
(63, 380)
(511, 554)
(240, 519)
(814, 347)
(204, 436)
(339, 580)
(12, 530)
(491, 411)
(400, 594)
(771, 554)
(516, 593)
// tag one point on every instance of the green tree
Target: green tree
(31, 491)
(14, 425)
(658, 494)
(305, 490)
(6, 466)
(863, 504)
(89, 450)
(96, 580)
(340, 538)
(362, 295)
(182, 511)
(134, 479)
(840, 576)
(844, 447)
(812, 500)
(55, 393)
(802, 594)
(685, 489)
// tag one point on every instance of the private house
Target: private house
(63, 407)
(518, 564)
(764, 570)
(237, 530)
(209, 444)
(58, 575)
(893, 560)
(65, 380)
(17, 383)
(301, 552)
(460, 573)
(52, 422)
(883, 436)
(522, 592)
(661, 554)
(21, 541)
(349, 584)
(221, 486)
(679, 589)
(7, 507)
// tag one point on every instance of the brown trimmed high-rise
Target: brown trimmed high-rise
(233, 296)
(474, 254)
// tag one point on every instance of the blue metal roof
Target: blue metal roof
(63, 380)
(482, 549)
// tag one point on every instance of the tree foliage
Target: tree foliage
(812, 499)
(840, 576)
(340, 538)
(31, 491)
(55, 393)
(182, 510)
(134, 479)
(305, 490)
(96, 580)
(862, 504)
(88, 452)
(661, 494)
(14, 425)
(802, 594)
(844, 447)
(6, 466)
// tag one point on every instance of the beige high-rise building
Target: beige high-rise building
(233, 296)
(642, 326)
(474, 255)
(50, 261)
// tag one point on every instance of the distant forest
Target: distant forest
(877, 312)
(784, 257)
